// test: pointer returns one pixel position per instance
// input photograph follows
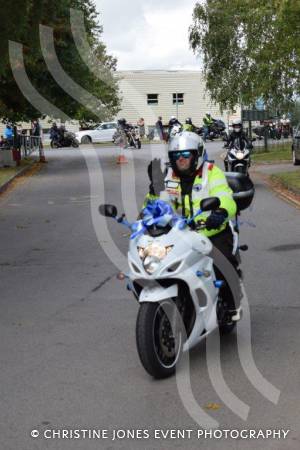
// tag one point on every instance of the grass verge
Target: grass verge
(6, 173)
(274, 154)
(288, 180)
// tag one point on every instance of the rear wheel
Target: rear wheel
(159, 346)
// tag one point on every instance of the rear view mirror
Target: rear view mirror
(210, 204)
(108, 210)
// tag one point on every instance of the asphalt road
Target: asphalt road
(67, 335)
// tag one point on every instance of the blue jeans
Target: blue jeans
(206, 133)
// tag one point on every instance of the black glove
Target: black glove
(216, 219)
(156, 176)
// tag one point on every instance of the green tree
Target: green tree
(250, 49)
(22, 25)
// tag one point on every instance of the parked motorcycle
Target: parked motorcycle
(238, 157)
(173, 279)
(68, 140)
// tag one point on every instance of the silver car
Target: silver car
(296, 147)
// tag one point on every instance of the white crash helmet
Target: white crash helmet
(187, 141)
(237, 125)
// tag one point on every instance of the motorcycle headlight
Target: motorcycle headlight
(240, 155)
(151, 264)
(155, 250)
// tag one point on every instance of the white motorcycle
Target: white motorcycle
(170, 274)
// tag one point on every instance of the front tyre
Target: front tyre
(54, 144)
(226, 325)
(159, 348)
(139, 144)
(241, 169)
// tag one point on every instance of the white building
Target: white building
(166, 93)
(153, 93)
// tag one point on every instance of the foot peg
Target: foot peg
(243, 248)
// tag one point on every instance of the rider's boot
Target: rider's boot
(236, 314)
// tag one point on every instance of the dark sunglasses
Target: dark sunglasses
(177, 155)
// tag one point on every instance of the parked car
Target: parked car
(101, 133)
(296, 147)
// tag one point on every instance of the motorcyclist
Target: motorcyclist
(124, 125)
(237, 134)
(207, 123)
(190, 179)
(61, 134)
(54, 131)
(125, 128)
(189, 126)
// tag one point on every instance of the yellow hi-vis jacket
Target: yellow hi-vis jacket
(210, 181)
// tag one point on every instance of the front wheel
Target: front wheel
(54, 144)
(241, 169)
(226, 326)
(159, 347)
(139, 144)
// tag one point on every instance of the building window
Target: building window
(152, 99)
(178, 98)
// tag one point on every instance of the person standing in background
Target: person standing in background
(141, 125)
(36, 132)
(160, 129)
(8, 134)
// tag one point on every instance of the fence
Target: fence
(270, 139)
(29, 144)
(20, 147)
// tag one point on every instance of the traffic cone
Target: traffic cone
(121, 158)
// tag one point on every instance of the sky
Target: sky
(148, 34)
